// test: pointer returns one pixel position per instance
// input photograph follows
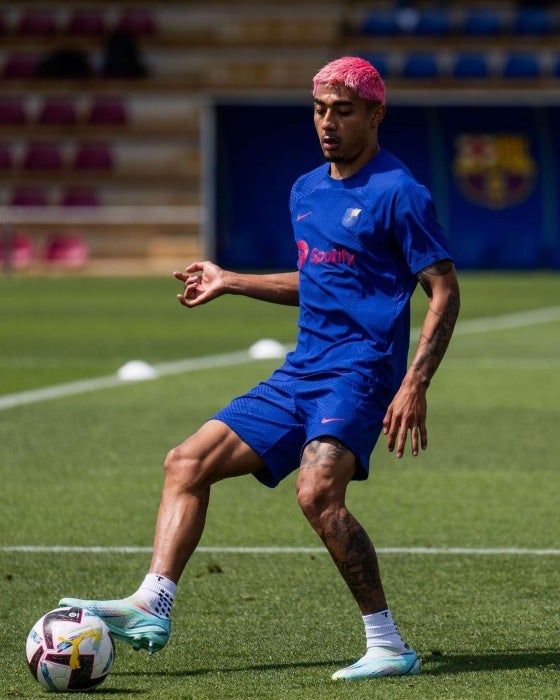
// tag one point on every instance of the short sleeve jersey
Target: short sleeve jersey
(361, 241)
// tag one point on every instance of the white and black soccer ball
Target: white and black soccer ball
(70, 649)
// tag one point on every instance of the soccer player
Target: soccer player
(366, 233)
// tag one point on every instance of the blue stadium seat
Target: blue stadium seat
(380, 23)
(380, 61)
(532, 21)
(420, 65)
(470, 64)
(482, 22)
(521, 64)
(433, 21)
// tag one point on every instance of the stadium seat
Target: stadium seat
(6, 159)
(470, 65)
(482, 22)
(380, 23)
(79, 197)
(20, 254)
(521, 65)
(67, 250)
(380, 61)
(21, 66)
(42, 156)
(107, 110)
(88, 21)
(36, 21)
(93, 156)
(136, 21)
(420, 65)
(433, 21)
(29, 197)
(57, 110)
(532, 21)
(12, 110)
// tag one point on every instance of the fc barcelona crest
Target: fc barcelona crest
(494, 170)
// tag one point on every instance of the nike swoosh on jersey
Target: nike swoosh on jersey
(331, 420)
(303, 216)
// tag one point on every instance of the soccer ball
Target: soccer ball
(70, 649)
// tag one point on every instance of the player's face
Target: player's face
(347, 128)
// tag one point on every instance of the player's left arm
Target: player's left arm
(407, 412)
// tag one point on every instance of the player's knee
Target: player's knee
(313, 501)
(182, 466)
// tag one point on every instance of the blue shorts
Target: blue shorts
(278, 417)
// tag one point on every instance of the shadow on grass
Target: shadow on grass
(434, 664)
(238, 669)
(438, 663)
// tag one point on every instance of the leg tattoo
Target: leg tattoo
(354, 555)
(347, 542)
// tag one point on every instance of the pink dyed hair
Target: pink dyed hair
(356, 74)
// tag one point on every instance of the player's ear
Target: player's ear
(377, 114)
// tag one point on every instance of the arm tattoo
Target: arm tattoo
(439, 269)
(433, 349)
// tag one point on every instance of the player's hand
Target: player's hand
(202, 281)
(407, 414)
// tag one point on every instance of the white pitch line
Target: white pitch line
(83, 386)
(482, 325)
(476, 551)
(519, 319)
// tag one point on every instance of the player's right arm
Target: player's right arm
(204, 281)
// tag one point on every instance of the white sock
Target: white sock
(382, 631)
(157, 592)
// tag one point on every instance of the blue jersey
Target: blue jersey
(361, 242)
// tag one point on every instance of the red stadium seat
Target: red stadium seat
(36, 21)
(57, 110)
(21, 66)
(79, 197)
(86, 21)
(136, 21)
(67, 250)
(93, 156)
(16, 251)
(29, 197)
(12, 110)
(42, 156)
(107, 110)
(6, 158)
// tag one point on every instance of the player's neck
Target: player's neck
(343, 170)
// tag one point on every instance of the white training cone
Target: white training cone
(136, 370)
(267, 349)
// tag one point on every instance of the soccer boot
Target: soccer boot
(381, 661)
(128, 621)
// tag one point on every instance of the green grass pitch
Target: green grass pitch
(473, 590)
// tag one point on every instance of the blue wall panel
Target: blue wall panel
(494, 173)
